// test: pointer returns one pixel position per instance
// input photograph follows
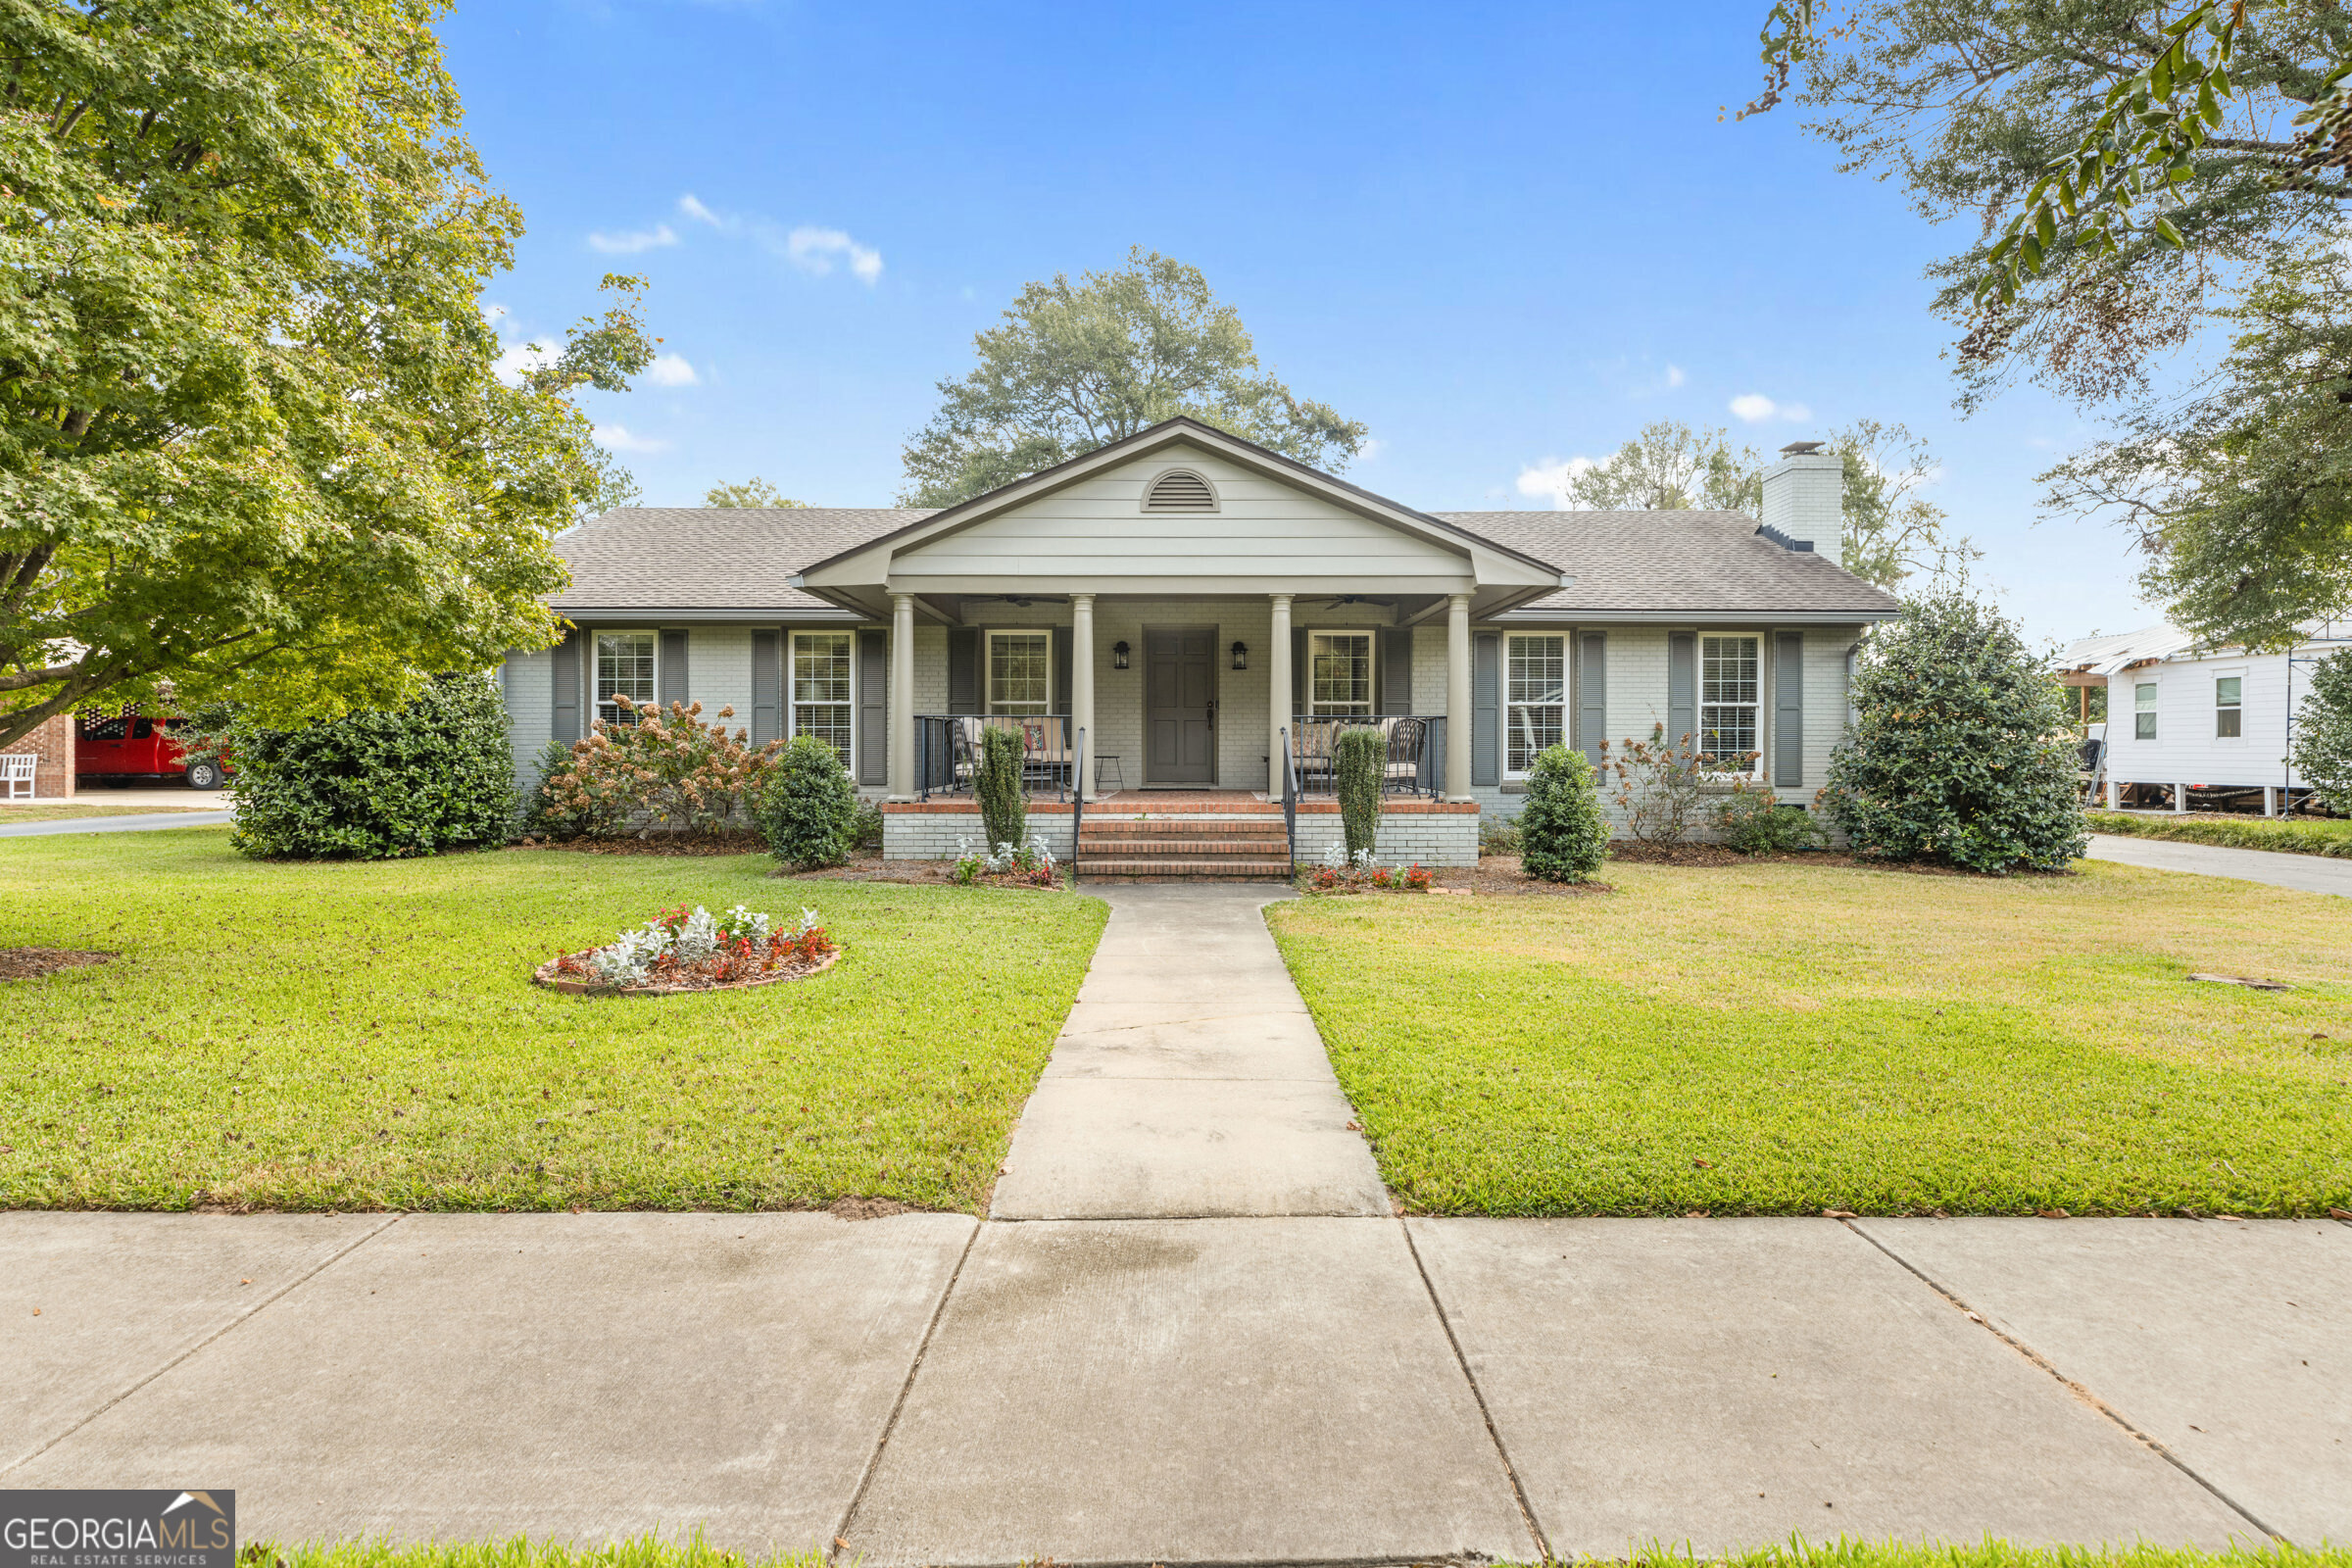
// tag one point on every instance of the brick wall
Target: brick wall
(1433, 835)
(52, 740)
(930, 830)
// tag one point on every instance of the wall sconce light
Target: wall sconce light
(1118, 656)
(1240, 656)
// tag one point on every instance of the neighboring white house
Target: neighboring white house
(2183, 717)
(1195, 604)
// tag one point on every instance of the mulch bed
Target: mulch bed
(746, 843)
(26, 964)
(549, 975)
(919, 873)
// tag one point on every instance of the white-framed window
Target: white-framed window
(819, 683)
(1020, 672)
(2143, 711)
(1728, 700)
(1339, 673)
(1537, 695)
(2229, 706)
(624, 667)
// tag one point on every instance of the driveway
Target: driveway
(2312, 873)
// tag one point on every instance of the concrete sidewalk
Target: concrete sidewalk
(136, 822)
(1205, 1338)
(2311, 873)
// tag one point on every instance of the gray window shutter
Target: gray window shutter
(873, 708)
(1302, 677)
(1061, 670)
(1789, 709)
(1682, 688)
(1395, 669)
(565, 722)
(1486, 708)
(1592, 693)
(767, 687)
(670, 677)
(964, 670)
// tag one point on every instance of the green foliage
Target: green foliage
(1498, 835)
(2322, 751)
(1564, 838)
(1672, 467)
(662, 769)
(1963, 752)
(375, 785)
(253, 443)
(1002, 792)
(1756, 822)
(520, 1552)
(807, 808)
(1078, 365)
(753, 492)
(2300, 836)
(1359, 757)
(556, 807)
(1661, 782)
(864, 832)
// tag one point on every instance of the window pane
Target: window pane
(1021, 671)
(1727, 730)
(2144, 698)
(1536, 682)
(1539, 669)
(2224, 722)
(2226, 690)
(1340, 671)
(1727, 672)
(820, 666)
(624, 667)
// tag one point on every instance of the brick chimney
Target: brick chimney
(1804, 500)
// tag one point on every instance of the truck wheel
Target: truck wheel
(204, 775)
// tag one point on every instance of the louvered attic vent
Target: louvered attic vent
(1180, 490)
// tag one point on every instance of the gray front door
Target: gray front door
(1180, 708)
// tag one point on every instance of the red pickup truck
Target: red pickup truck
(138, 746)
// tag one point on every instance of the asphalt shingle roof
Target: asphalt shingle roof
(1673, 561)
(718, 558)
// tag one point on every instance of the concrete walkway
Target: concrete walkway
(2312, 873)
(1286, 1373)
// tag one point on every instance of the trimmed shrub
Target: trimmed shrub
(376, 785)
(2323, 749)
(1003, 798)
(807, 807)
(1963, 752)
(1359, 757)
(1562, 835)
(1758, 823)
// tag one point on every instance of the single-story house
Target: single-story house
(2186, 717)
(1177, 621)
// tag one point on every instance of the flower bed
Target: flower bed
(682, 949)
(1340, 874)
(1031, 865)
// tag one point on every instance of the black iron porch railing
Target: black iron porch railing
(946, 752)
(1416, 762)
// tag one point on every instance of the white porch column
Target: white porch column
(2114, 794)
(2269, 800)
(901, 697)
(2180, 797)
(1457, 698)
(1082, 686)
(1279, 683)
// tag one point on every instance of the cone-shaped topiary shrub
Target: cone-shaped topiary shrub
(1562, 835)
(1359, 757)
(1004, 801)
(807, 807)
(1962, 752)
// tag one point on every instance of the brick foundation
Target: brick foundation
(52, 740)
(1431, 832)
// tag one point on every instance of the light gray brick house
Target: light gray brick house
(1188, 611)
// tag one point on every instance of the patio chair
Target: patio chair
(1311, 749)
(16, 771)
(1402, 775)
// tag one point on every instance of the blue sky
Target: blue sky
(1501, 236)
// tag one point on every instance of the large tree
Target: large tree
(252, 438)
(1890, 530)
(753, 492)
(1080, 365)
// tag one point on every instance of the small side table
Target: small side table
(1108, 763)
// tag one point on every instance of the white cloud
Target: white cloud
(814, 250)
(671, 370)
(1551, 477)
(1372, 447)
(1673, 376)
(617, 437)
(696, 209)
(1755, 407)
(518, 357)
(634, 241)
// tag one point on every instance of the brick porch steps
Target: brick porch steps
(1229, 848)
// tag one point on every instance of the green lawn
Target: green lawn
(1784, 1038)
(2302, 835)
(358, 1036)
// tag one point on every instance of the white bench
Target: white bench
(16, 774)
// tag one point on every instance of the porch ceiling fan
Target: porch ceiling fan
(1024, 601)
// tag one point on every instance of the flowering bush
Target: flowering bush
(1031, 862)
(1354, 873)
(692, 948)
(666, 766)
(1660, 783)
